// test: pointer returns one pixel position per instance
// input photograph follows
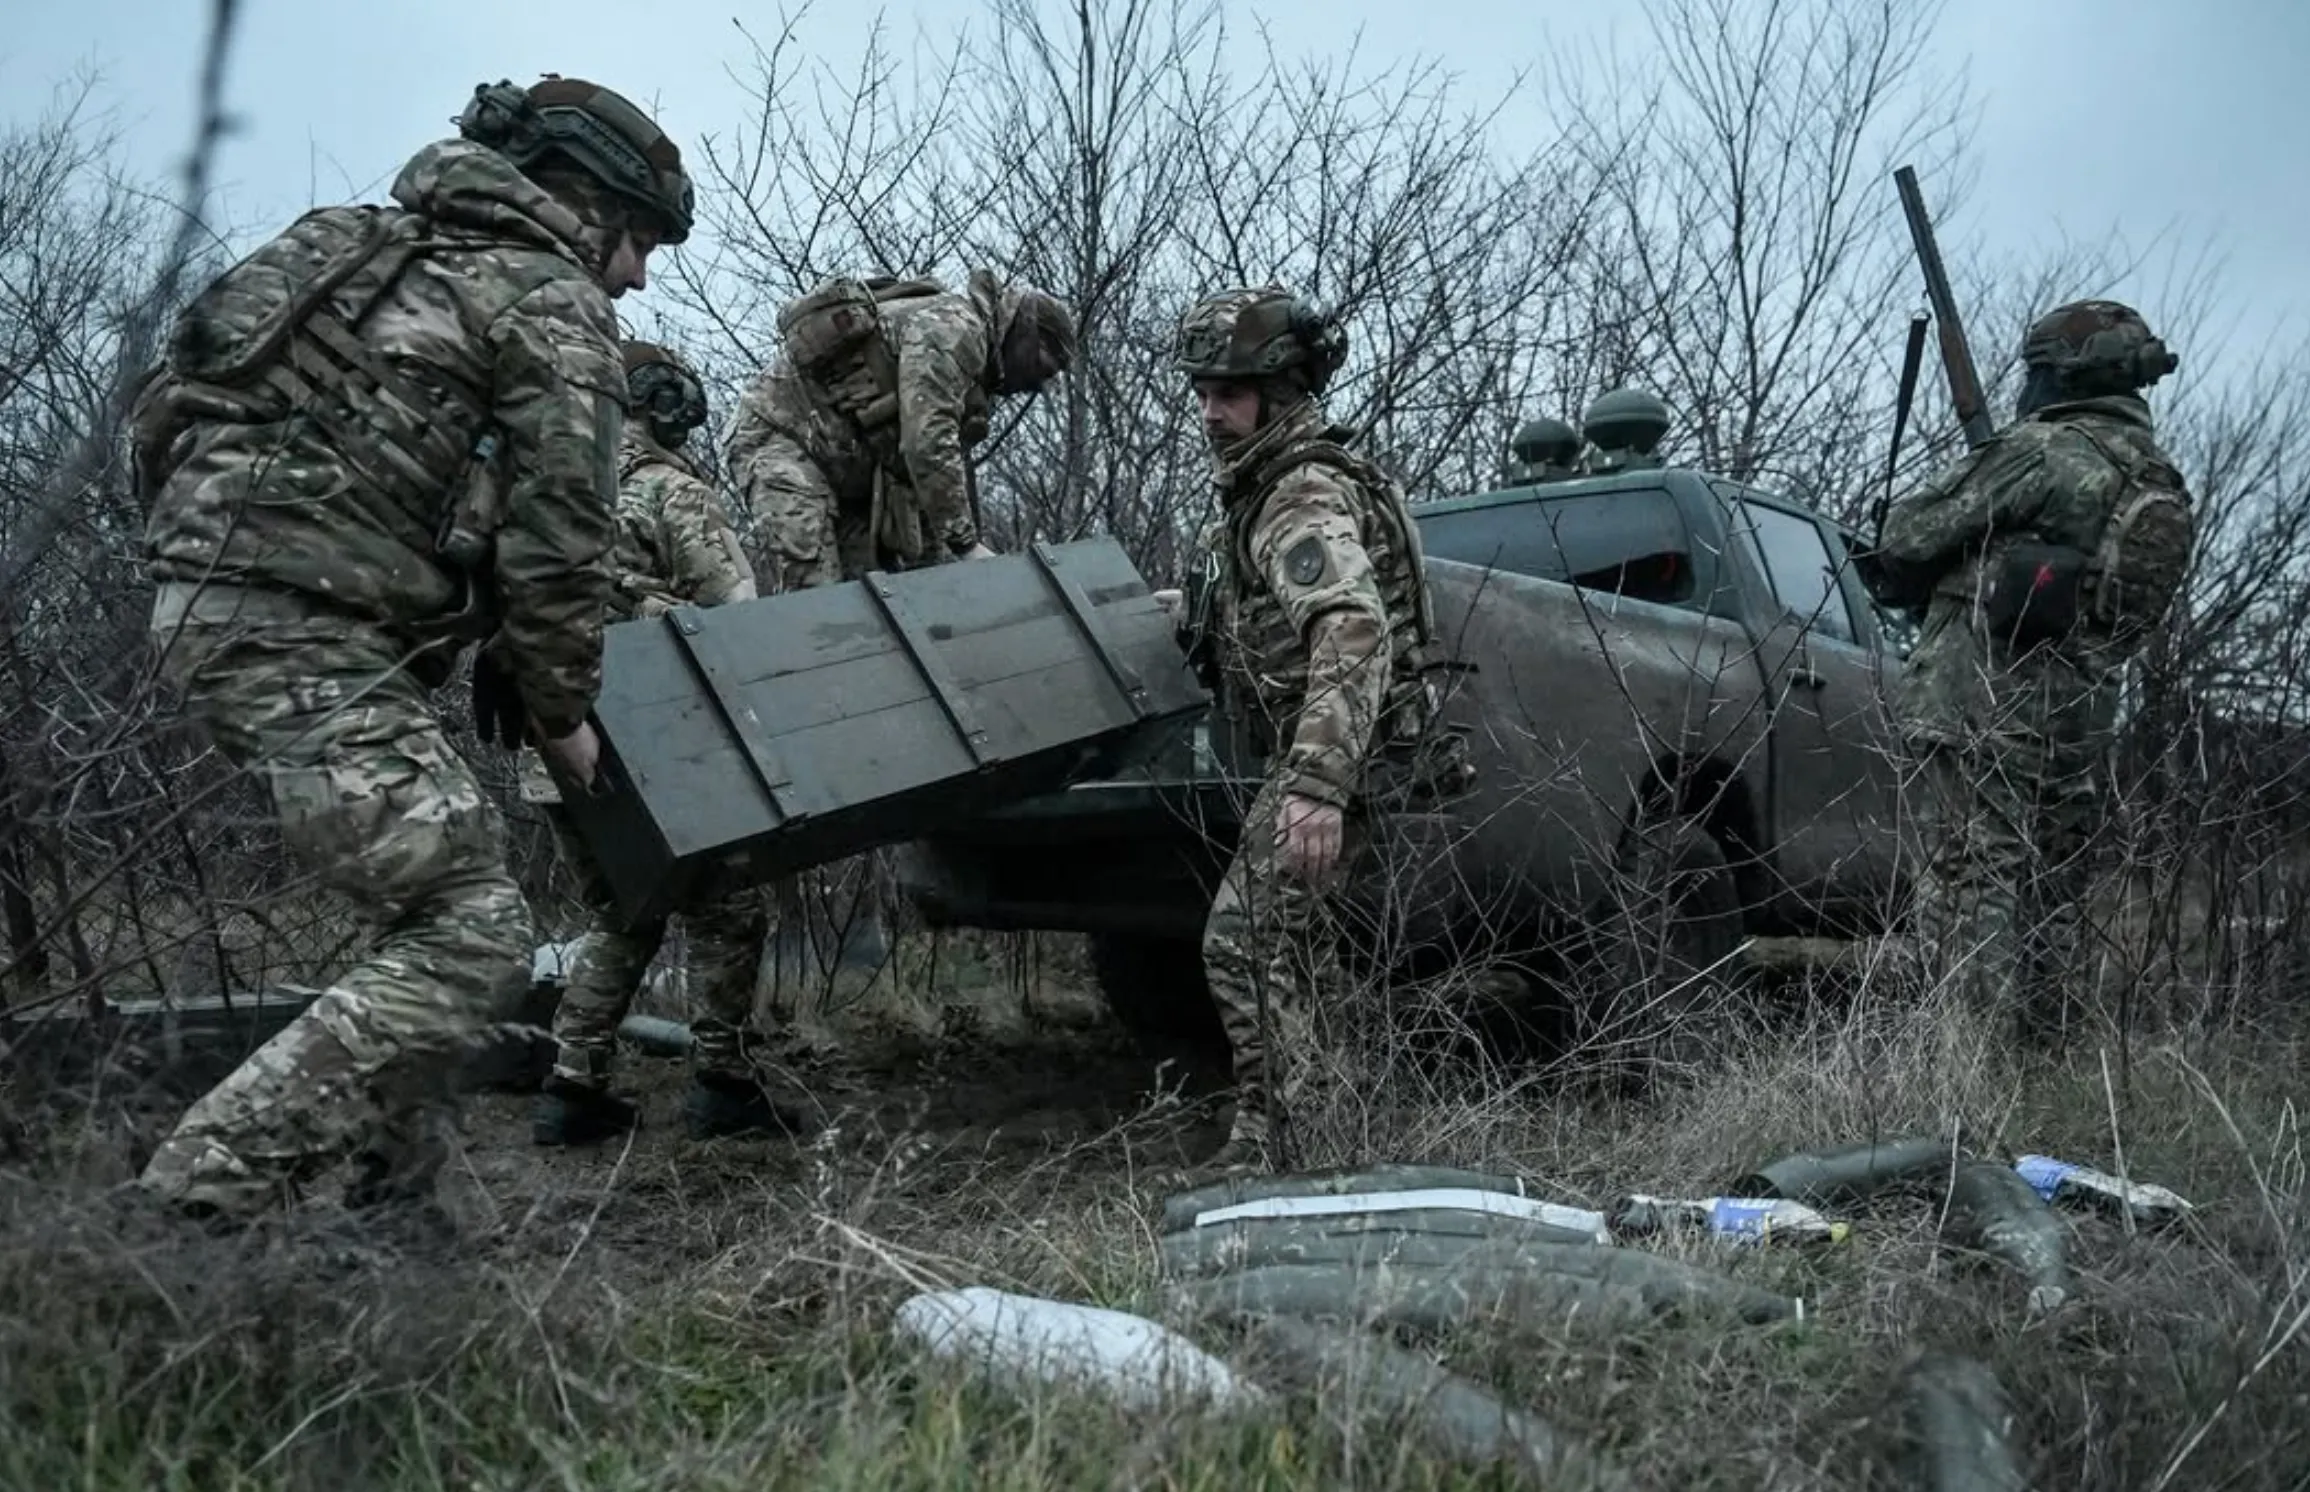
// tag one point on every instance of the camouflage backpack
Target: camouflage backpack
(837, 340)
(277, 335)
(2144, 555)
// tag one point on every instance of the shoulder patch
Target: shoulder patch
(1304, 563)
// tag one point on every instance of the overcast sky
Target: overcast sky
(2150, 119)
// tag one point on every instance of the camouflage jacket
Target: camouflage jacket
(675, 543)
(1315, 613)
(914, 470)
(944, 345)
(2040, 479)
(505, 312)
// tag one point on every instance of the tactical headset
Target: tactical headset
(2141, 363)
(1323, 338)
(2122, 349)
(664, 392)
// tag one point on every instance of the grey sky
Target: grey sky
(2139, 118)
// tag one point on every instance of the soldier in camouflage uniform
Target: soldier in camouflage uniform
(1317, 621)
(852, 448)
(675, 547)
(384, 435)
(2041, 561)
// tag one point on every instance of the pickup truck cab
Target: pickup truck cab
(1673, 688)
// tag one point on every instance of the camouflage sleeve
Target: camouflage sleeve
(700, 544)
(752, 424)
(937, 365)
(1999, 486)
(560, 402)
(1308, 543)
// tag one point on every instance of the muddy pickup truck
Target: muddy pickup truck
(1672, 687)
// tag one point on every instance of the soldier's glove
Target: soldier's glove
(498, 714)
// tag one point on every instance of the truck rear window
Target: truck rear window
(1631, 543)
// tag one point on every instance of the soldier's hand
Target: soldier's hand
(1308, 837)
(498, 715)
(576, 756)
(1174, 603)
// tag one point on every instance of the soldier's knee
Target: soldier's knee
(486, 913)
(453, 954)
(611, 963)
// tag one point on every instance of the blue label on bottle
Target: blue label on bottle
(2044, 1173)
(1744, 1217)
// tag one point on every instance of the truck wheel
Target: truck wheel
(1155, 987)
(1661, 957)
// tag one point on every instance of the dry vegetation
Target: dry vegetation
(1717, 226)
(720, 1318)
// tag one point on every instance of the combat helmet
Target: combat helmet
(2096, 346)
(1257, 333)
(665, 391)
(595, 129)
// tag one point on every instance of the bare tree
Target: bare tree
(1127, 158)
(92, 266)
(1762, 262)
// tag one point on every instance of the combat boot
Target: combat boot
(570, 1113)
(720, 1103)
(1253, 1147)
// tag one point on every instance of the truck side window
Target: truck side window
(1632, 544)
(1798, 563)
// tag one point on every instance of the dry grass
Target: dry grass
(665, 1315)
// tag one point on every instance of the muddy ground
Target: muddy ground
(907, 1120)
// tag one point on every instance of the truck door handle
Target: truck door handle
(1807, 675)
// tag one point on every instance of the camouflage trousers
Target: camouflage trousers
(376, 805)
(2003, 833)
(828, 519)
(1271, 952)
(725, 935)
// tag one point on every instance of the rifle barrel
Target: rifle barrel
(1965, 392)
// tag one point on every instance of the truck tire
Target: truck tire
(1661, 952)
(1156, 989)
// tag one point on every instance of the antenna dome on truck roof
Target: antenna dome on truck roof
(1626, 420)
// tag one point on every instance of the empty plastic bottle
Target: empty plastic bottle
(2060, 1181)
(1735, 1219)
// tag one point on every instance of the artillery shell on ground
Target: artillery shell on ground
(656, 1036)
(1541, 1287)
(1456, 1417)
(1358, 1240)
(1182, 1210)
(1964, 1427)
(1992, 1208)
(1850, 1172)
